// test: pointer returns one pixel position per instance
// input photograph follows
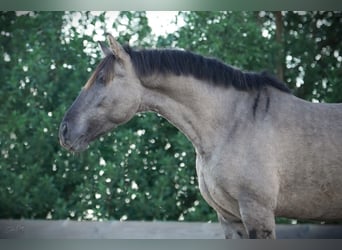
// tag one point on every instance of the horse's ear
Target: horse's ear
(116, 48)
(105, 50)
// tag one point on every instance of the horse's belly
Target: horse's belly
(311, 185)
(319, 213)
(314, 204)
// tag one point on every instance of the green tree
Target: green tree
(39, 76)
(312, 41)
(137, 172)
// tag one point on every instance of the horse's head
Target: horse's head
(110, 97)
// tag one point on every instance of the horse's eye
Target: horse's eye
(100, 79)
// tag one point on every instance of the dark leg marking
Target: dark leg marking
(252, 234)
(239, 233)
(266, 233)
(256, 102)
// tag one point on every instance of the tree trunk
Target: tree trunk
(279, 40)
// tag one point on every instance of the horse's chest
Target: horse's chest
(215, 186)
(206, 177)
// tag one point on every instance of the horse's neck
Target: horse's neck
(198, 109)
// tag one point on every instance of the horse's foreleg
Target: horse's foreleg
(257, 218)
(232, 227)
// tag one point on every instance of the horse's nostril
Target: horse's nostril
(64, 129)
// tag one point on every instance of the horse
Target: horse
(261, 152)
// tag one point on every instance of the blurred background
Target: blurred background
(144, 170)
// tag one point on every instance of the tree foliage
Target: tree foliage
(144, 170)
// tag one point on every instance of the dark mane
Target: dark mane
(178, 62)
